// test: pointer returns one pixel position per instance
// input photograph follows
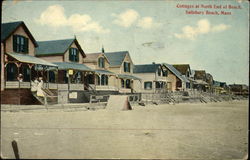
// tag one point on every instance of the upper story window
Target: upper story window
(101, 62)
(74, 55)
(165, 73)
(159, 71)
(126, 66)
(20, 44)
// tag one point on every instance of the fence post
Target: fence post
(15, 149)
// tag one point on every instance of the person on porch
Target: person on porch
(34, 85)
(40, 92)
(20, 78)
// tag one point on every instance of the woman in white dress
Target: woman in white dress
(39, 88)
(34, 85)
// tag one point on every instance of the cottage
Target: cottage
(102, 79)
(219, 87)
(185, 70)
(200, 78)
(122, 64)
(175, 80)
(18, 63)
(153, 77)
(72, 76)
(239, 89)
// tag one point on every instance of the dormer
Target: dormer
(120, 62)
(16, 38)
(96, 61)
(66, 50)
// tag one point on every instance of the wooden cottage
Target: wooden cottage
(185, 70)
(200, 78)
(102, 79)
(175, 80)
(153, 77)
(122, 64)
(71, 78)
(18, 59)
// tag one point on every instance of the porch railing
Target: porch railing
(15, 84)
(101, 88)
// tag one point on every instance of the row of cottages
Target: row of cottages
(18, 57)
(160, 77)
(67, 71)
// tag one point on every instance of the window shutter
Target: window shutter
(15, 43)
(128, 67)
(124, 65)
(26, 44)
(77, 55)
(70, 54)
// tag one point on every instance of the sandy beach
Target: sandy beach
(180, 131)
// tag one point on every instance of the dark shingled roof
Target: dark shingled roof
(116, 58)
(9, 28)
(176, 72)
(146, 68)
(55, 47)
(200, 74)
(182, 68)
(93, 57)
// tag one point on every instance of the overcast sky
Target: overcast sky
(152, 31)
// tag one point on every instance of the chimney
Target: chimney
(153, 62)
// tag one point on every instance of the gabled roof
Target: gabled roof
(182, 68)
(56, 47)
(200, 74)
(116, 58)
(146, 68)
(92, 57)
(176, 72)
(9, 28)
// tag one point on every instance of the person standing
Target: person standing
(40, 92)
(34, 85)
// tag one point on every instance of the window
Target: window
(104, 80)
(74, 55)
(77, 77)
(147, 85)
(128, 82)
(65, 77)
(122, 83)
(101, 62)
(11, 72)
(159, 71)
(165, 73)
(20, 44)
(157, 85)
(126, 66)
(26, 73)
(52, 77)
(98, 80)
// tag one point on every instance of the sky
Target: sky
(152, 31)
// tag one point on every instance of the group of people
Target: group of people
(37, 85)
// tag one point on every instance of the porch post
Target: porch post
(30, 67)
(100, 79)
(18, 72)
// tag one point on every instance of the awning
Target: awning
(71, 65)
(30, 59)
(126, 76)
(106, 72)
